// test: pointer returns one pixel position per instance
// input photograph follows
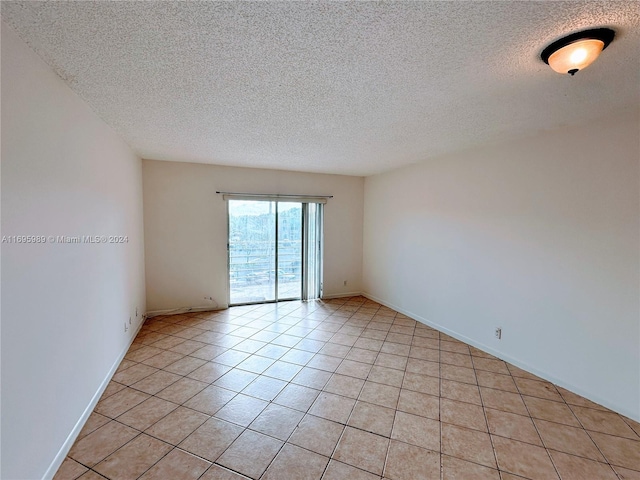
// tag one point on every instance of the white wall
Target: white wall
(64, 172)
(538, 236)
(186, 228)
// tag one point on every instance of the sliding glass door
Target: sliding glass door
(269, 251)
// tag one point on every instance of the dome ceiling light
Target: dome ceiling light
(577, 51)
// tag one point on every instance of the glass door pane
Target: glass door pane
(289, 250)
(252, 251)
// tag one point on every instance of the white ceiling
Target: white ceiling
(352, 88)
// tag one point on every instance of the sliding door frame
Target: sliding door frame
(317, 250)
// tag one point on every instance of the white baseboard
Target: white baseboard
(71, 438)
(176, 311)
(507, 358)
(341, 295)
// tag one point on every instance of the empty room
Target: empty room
(320, 240)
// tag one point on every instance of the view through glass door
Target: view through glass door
(266, 257)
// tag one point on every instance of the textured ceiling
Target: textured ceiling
(352, 87)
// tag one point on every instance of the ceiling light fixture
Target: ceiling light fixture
(577, 51)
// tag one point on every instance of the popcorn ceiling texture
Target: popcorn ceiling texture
(351, 88)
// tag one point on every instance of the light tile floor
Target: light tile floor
(340, 389)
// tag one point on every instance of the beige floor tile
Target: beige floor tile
(90, 475)
(354, 369)
(177, 465)
(141, 354)
(182, 390)
(147, 413)
(453, 346)
(236, 380)
(209, 372)
(242, 410)
(297, 397)
(511, 425)
(425, 390)
(458, 374)
(295, 462)
(534, 388)
(505, 401)
(424, 353)
(211, 439)
(368, 344)
(317, 434)
(112, 387)
(619, 451)
(101, 443)
(208, 352)
(495, 366)
(372, 418)
(462, 414)
(423, 367)
(379, 394)
(277, 421)
(386, 376)
(421, 383)
(325, 362)
(94, 422)
(265, 388)
(134, 374)
(497, 381)
(256, 364)
(69, 470)
(343, 385)
(470, 445)
(210, 400)
(341, 471)
(463, 392)
(419, 404)
(524, 459)
(335, 350)
(361, 355)
(603, 422)
(363, 450)
(415, 430)
(164, 359)
(395, 348)
(568, 440)
(408, 462)
(635, 426)
(216, 472)
(389, 360)
(518, 372)
(626, 474)
(188, 347)
(177, 426)
(231, 358)
(574, 399)
(120, 402)
(332, 407)
(571, 467)
(454, 469)
(250, 454)
(156, 382)
(456, 359)
(283, 370)
(133, 459)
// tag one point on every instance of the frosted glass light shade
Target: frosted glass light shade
(576, 56)
(577, 51)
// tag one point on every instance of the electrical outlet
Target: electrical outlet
(345, 283)
(498, 333)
